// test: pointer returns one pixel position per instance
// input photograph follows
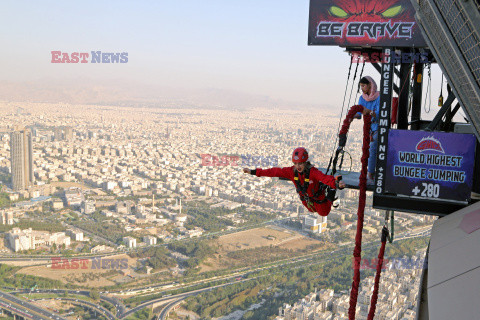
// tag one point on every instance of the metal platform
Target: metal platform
(351, 179)
(452, 31)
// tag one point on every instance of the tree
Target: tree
(95, 295)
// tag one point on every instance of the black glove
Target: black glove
(337, 180)
(330, 194)
(342, 140)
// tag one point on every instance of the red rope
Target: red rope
(373, 302)
(361, 202)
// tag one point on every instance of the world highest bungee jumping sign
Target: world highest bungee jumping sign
(432, 165)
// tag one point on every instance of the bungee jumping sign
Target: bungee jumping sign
(433, 165)
(377, 23)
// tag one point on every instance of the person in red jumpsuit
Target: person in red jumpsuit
(316, 189)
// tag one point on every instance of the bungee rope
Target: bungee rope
(373, 301)
(360, 216)
(362, 199)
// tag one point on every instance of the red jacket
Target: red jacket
(315, 176)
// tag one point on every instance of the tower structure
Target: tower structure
(21, 156)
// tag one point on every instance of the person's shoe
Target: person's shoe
(370, 182)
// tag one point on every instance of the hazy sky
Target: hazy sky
(256, 47)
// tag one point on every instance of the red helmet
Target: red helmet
(300, 155)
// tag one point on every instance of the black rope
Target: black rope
(344, 96)
(341, 114)
(339, 150)
(351, 90)
(341, 161)
(361, 74)
(334, 168)
(351, 164)
(428, 91)
(335, 159)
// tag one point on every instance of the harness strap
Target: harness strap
(302, 190)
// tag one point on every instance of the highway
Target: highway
(28, 308)
(283, 262)
(93, 306)
(120, 307)
(333, 255)
(305, 260)
(18, 310)
(164, 313)
(35, 312)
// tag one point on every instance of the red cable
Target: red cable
(373, 302)
(361, 202)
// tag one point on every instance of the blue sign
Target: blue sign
(433, 165)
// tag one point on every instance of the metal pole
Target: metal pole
(441, 112)
(417, 97)
(403, 96)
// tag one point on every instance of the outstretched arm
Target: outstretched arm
(286, 172)
(324, 178)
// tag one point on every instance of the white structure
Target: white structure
(139, 209)
(88, 206)
(314, 224)
(57, 204)
(124, 207)
(109, 185)
(106, 213)
(197, 232)
(30, 239)
(6, 217)
(180, 219)
(130, 242)
(74, 197)
(453, 279)
(101, 248)
(75, 235)
(150, 240)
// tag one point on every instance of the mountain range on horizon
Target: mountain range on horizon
(124, 93)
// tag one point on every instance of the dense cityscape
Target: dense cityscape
(240, 160)
(147, 210)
